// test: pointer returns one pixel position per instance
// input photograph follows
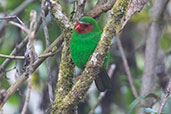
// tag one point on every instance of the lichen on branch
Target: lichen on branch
(66, 69)
(79, 90)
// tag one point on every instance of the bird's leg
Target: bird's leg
(78, 77)
(90, 56)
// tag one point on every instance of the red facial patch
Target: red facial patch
(83, 27)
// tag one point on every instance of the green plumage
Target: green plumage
(83, 45)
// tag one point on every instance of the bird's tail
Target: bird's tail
(103, 81)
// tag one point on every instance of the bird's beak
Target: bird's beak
(77, 26)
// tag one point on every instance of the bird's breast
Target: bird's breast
(81, 49)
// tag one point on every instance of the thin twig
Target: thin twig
(44, 55)
(28, 96)
(100, 9)
(102, 94)
(168, 91)
(126, 66)
(11, 57)
(51, 97)
(31, 51)
(24, 76)
(14, 52)
(24, 28)
(12, 17)
(21, 25)
(16, 11)
(80, 9)
(73, 10)
(149, 79)
(111, 70)
(20, 46)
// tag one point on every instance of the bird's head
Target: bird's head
(85, 25)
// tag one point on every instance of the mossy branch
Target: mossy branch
(65, 103)
(80, 88)
(66, 69)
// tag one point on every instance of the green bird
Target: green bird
(85, 37)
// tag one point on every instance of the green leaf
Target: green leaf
(167, 108)
(149, 110)
(137, 100)
(165, 42)
(143, 16)
(54, 49)
(14, 99)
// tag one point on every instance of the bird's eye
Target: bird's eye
(85, 25)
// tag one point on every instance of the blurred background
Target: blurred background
(133, 38)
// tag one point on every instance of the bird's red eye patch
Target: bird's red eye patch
(83, 27)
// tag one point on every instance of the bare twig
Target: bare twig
(11, 57)
(21, 25)
(73, 10)
(16, 50)
(102, 94)
(100, 9)
(17, 11)
(126, 66)
(24, 76)
(80, 9)
(28, 96)
(111, 70)
(20, 46)
(24, 28)
(149, 78)
(31, 51)
(51, 97)
(22, 57)
(168, 91)
(134, 6)
(12, 17)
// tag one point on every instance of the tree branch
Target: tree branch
(24, 76)
(167, 93)
(11, 57)
(20, 46)
(31, 52)
(80, 9)
(100, 9)
(51, 97)
(22, 57)
(17, 11)
(126, 66)
(102, 94)
(24, 28)
(66, 69)
(114, 24)
(149, 78)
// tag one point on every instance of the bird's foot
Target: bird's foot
(90, 56)
(78, 77)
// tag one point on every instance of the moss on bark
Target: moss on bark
(66, 100)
